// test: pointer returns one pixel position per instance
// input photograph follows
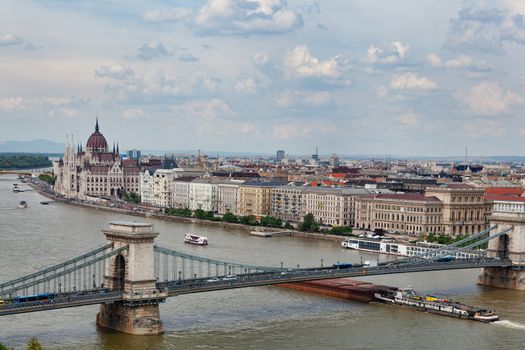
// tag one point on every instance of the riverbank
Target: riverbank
(44, 190)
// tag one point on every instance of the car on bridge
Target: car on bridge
(213, 280)
(230, 278)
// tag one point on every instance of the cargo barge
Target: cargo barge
(429, 303)
(366, 292)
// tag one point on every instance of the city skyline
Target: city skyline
(360, 77)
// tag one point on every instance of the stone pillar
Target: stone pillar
(133, 273)
(509, 246)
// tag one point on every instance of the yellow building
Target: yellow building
(255, 198)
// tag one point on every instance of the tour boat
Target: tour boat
(394, 248)
(22, 204)
(44, 202)
(16, 188)
(432, 304)
(194, 239)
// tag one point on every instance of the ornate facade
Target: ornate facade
(95, 171)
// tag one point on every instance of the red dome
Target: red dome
(97, 141)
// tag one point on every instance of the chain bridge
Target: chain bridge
(130, 276)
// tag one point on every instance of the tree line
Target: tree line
(23, 161)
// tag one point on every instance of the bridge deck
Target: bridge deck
(180, 287)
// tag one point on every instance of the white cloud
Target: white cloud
(117, 71)
(459, 62)
(289, 131)
(188, 57)
(227, 17)
(487, 26)
(10, 39)
(392, 53)
(246, 86)
(261, 59)
(67, 113)
(167, 15)
(299, 63)
(153, 49)
(294, 98)
(132, 113)
(411, 81)
(13, 104)
(488, 98)
(484, 128)
(409, 119)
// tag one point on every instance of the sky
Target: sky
(404, 77)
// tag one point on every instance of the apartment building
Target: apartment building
(287, 203)
(155, 187)
(331, 206)
(255, 198)
(204, 194)
(180, 192)
(227, 196)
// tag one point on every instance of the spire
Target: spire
(113, 147)
(117, 149)
(96, 125)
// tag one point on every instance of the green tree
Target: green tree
(270, 221)
(204, 215)
(131, 197)
(229, 217)
(341, 230)
(289, 226)
(34, 344)
(249, 220)
(50, 179)
(5, 347)
(309, 224)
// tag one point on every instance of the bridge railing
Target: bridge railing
(173, 265)
(85, 272)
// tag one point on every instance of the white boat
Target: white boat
(22, 204)
(194, 239)
(394, 248)
(16, 188)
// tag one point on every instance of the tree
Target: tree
(50, 179)
(289, 226)
(229, 217)
(309, 224)
(5, 347)
(270, 221)
(341, 230)
(131, 197)
(34, 344)
(248, 220)
(204, 215)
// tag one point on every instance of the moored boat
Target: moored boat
(194, 239)
(22, 204)
(433, 304)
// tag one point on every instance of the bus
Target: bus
(43, 297)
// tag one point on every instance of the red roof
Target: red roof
(504, 191)
(338, 175)
(492, 198)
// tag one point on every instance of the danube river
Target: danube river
(257, 318)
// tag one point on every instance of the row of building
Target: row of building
(430, 207)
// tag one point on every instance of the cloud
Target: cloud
(115, 71)
(294, 98)
(244, 17)
(483, 27)
(132, 113)
(301, 64)
(246, 86)
(188, 57)
(156, 84)
(390, 54)
(412, 82)
(13, 104)
(12, 40)
(484, 128)
(67, 113)
(461, 61)
(488, 98)
(153, 49)
(167, 15)
(409, 119)
(290, 131)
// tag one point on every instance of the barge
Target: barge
(428, 303)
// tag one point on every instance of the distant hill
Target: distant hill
(34, 146)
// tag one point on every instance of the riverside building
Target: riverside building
(96, 171)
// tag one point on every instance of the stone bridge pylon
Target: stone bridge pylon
(511, 245)
(132, 272)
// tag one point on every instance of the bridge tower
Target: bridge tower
(507, 214)
(132, 272)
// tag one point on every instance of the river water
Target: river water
(250, 318)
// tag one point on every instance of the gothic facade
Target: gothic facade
(96, 171)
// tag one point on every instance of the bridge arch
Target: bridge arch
(503, 246)
(119, 272)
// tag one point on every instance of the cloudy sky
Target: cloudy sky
(412, 77)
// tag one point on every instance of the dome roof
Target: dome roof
(97, 141)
